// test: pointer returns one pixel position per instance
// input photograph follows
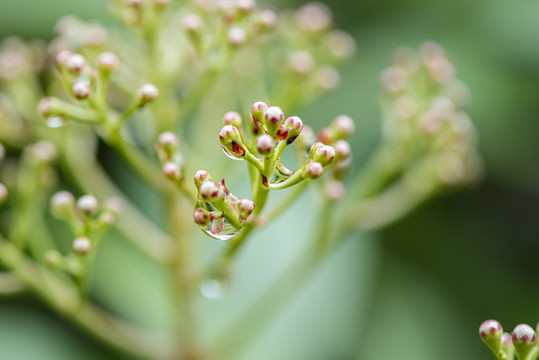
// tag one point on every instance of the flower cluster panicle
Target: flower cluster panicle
(522, 342)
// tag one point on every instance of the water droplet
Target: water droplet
(231, 154)
(55, 122)
(213, 289)
(218, 228)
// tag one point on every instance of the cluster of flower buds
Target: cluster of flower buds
(18, 58)
(425, 117)
(167, 148)
(76, 34)
(87, 220)
(241, 22)
(218, 212)
(522, 342)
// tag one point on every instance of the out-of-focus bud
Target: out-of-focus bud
(87, 205)
(257, 114)
(107, 61)
(343, 126)
(167, 143)
(147, 93)
(267, 18)
(236, 36)
(328, 78)
(232, 118)
(201, 216)
(264, 144)
(171, 171)
(312, 170)
(524, 340)
(450, 169)
(335, 190)
(107, 218)
(46, 107)
(273, 118)
(201, 176)
(81, 245)
(231, 142)
(301, 62)
(75, 63)
(405, 107)
(294, 126)
(192, 23)
(115, 205)
(62, 57)
(341, 44)
(81, 89)
(41, 152)
(342, 150)
(53, 259)
(3, 193)
(245, 6)
(245, 208)
(394, 79)
(306, 136)
(63, 204)
(323, 154)
(313, 17)
(2, 153)
(507, 345)
(209, 191)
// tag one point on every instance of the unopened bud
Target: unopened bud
(245, 6)
(342, 150)
(257, 114)
(201, 176)
(81, 245)
(267, 18)
(341, 44)
(491, 332)
(273, 118)
(209, 191)
(148, 92)
(63, 204)
(53, 259)
(3, 193)
(524, 340)
(41, 152)
(246, 208)
(232, 118)
(335, 190)
(281, 133)
(62, 57)
(107, 217)
(75, 63)
(236, 36)
(264, 144)
(294, 126)
(323, 154)
(81, 89)
(301, 62)
(167, 142)
(394, 79)
(312, 170)
(343, 126)
(87, 204)
(192, 23)
(507, 345)
(115, 205)
(107, 61)
(231, 141)
(313, 17)
(171, 171)
(201, 216)
(2, 153)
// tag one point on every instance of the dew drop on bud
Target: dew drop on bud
(55, 122)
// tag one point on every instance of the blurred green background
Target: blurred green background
(417, 290)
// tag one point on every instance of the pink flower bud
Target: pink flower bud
(264, 144)
(273, 118)
(148, 92)
(107, 60)
(201, 216)
(231, 141)
(87, 204)
(232, 118)
(490, 329)
(281, 133)
(201, 176)
(301, 62)
(394, 79)
(342, 150)
(171, 171)
(335, 190)
(524, 340)
(323, 154)
(62, 204)
(245, 208)
(313, 17)
(62, 57)
(167, 141)
(236, 36)
(75, 63)
(267, 18)
(192, 23)
(44, 107)
(245, 6)
(81, 245)
(257, 114)
(344, 126)
(341, 44)
(3, 193)
(313, 170)
(294, 125)
(81, 89)
(209, 191)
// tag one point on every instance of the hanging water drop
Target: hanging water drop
(217, 226)
(230, 154)
(55, 122)
(216, 286)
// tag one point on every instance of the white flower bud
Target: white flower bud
(171, 171)
(62, 204)
(264, 144)
(209, 191)
(313, 17)
(313, 170)
(81, 89)
(342, 150)
(301, 62)
(192, 23)
(148, 92)
(75, 63)
(268, 18)
(236, 36)
(344, 125)
(202, 217)
(81, 245)
(87, 204)
(62, 57)
(107, 60)
(201, 176)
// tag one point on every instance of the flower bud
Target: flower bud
(63, 204)
(343, 126)
(115, 205)
(394, 79)
(491, 332)
(335, 190)
(257, 114)
(168, 143)
(232, 118)
(41, 152)
(75, 63)
(201, 176)
(245, 6)
(301, 62)
(313, 17)
(2, 153)
(81, 89)
(81, 245)
(107, 218)
(273, 118)
(171, 171)
(342, 150)
(3, 193)
(524, 340)
(231, 141)
(107, 61)
(62, 57)
(236, 36)
(294, 126)
(201, 216)
(507, 345)
(148, 92)
(326, 135)
(192, 23)
(87, 204)
(281, 133)
(53, 259)
(264, 144)
(312, 170)
(341, 44)
(323, 154)
(267, 18)
(245, 208)
(209, 191)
